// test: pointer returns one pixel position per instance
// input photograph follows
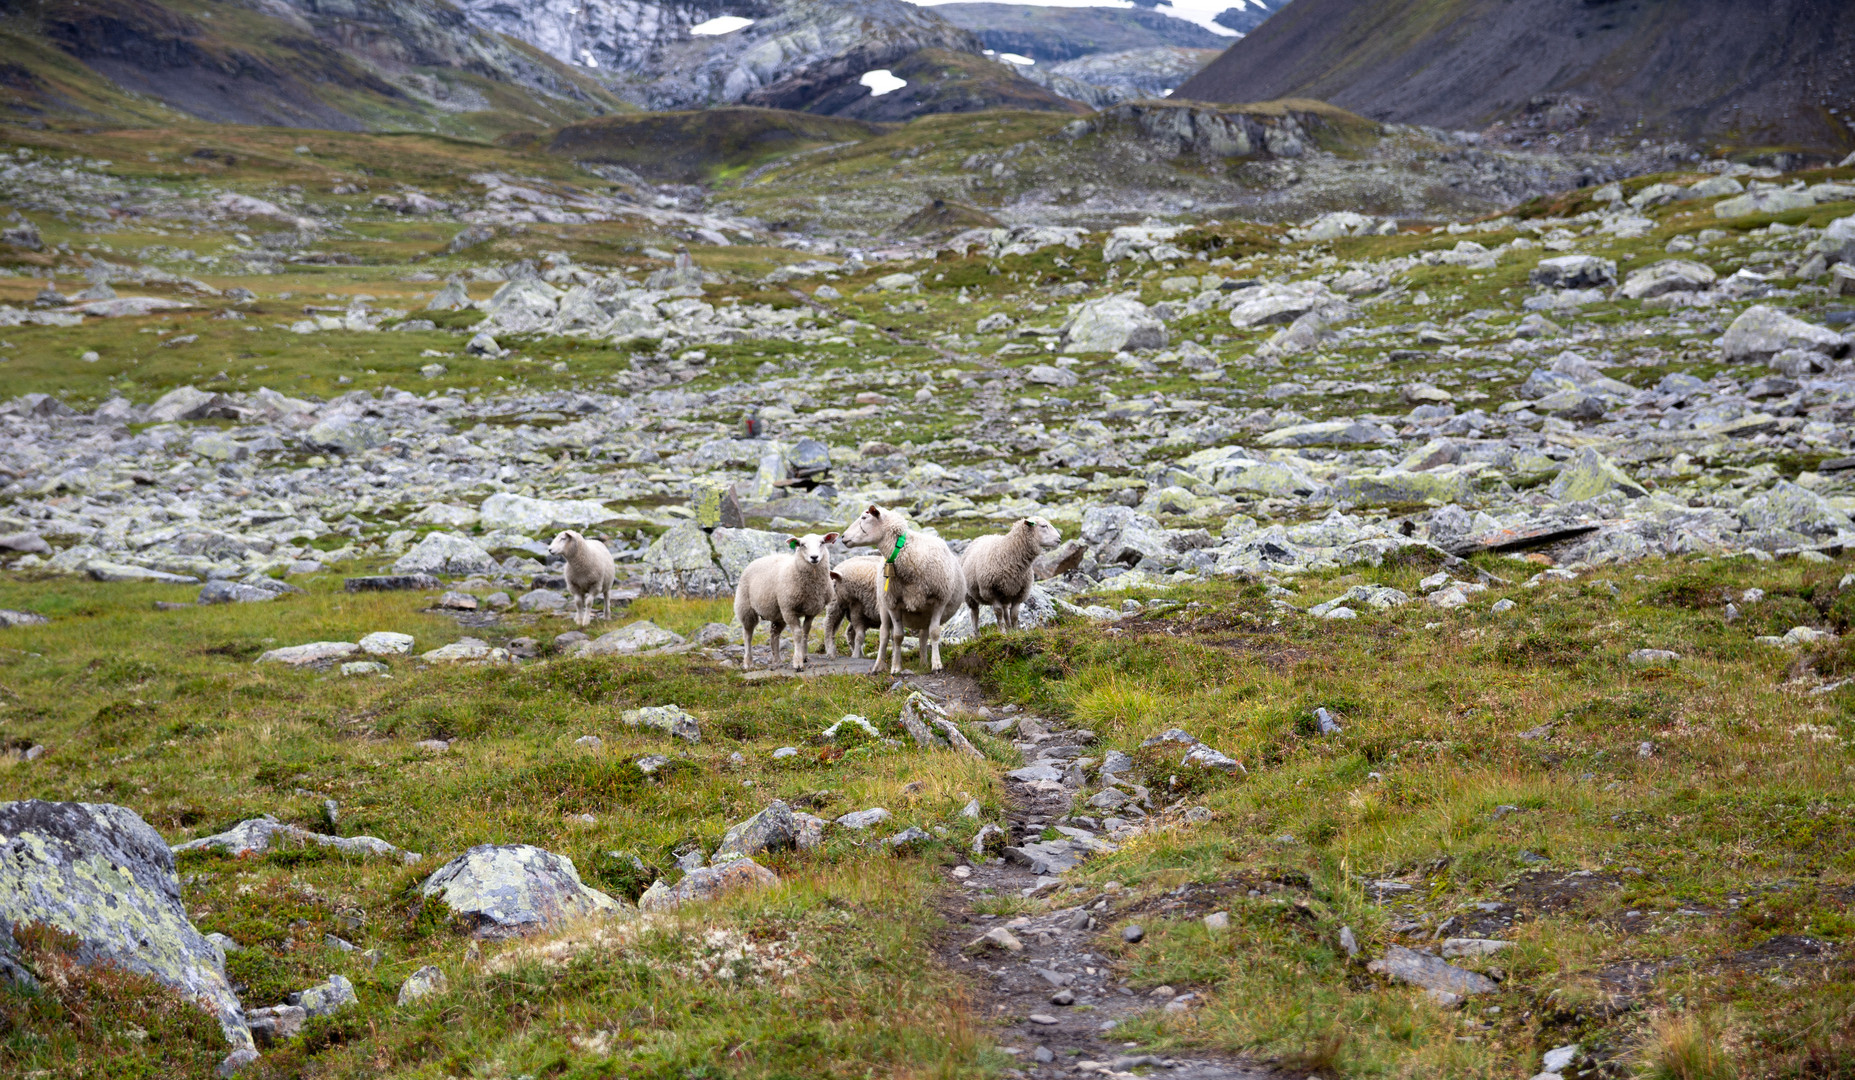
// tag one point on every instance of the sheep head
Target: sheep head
(873, 526)
(1046, 534)
(811, 547)
(567, 539)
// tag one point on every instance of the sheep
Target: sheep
(589, 572)
(922, 586)
(998, 569)
(785, 589)
(857, 583)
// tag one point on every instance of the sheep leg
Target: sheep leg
(747, 641)
(1008, 616)
(801, 641)
(833, 618)
(579, 610)
(882, 642)
(972, 607)
(608, 601)
(779, 630)
(930, 639)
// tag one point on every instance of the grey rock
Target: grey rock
(446, 553)
(315, 652)
(424, 983)
(631, 639)
(535, 516)
(505, 890)
(255, 836)
(1651, 658)
(27, 543)
(1430, 973)
(669, 719)
(276, 1024)
(707, 883)
(864, 819)
(1133, 933)
(1574, 272)
(1113, 323)
(101, 874)
(231, 592)
(386, 643)
(1761, 332)
(10, 618)
(772, 829)
(325, 998)
(1668, 276)
(103, 570)
(391, 583)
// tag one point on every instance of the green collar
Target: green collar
(900, 539)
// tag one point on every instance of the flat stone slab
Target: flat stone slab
(391, 583)
(255, 836)
(1432, 973)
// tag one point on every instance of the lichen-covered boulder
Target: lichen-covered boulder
(1761, 332)
(1113, 323)
(775, 828)
(101, 874)
(505, 890)
(446, 553)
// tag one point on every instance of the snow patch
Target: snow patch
(882, 81)
(720, 24)
(1014, 58)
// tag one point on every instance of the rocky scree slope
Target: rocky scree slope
(309, 64)
(1705, 71)
(1055, 34)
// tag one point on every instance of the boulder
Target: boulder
(446, 553)
(231, 592)
(775, 828)
(1838, 241)
(534, 516)
(1763, 201)
(1788, 507)
(101, 874)
(1761, 332)
(453, 297)
(1668, 276)
(736, 548)
(316, 652)
(523, 306)
(386, 643)
(391, 583)
(1113, 323)
(1588, 475)
(707, 883)
(632, 638)
(505, 890)
(346, 435)
(1574, 272)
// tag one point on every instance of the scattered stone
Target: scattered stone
(325, 998)
(1132, 933)
(1430, 973)
(426, 982)
(255, 836)
(669, 719)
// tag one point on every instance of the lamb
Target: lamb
(589, 572)
(998, 569)
(922, 586)
(857, 583)
(785, 590)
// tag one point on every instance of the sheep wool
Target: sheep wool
(857, 584)
(998, 569)
(589, 572)
(788, 588)
(922, 588)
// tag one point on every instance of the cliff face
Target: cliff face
(1709, 71)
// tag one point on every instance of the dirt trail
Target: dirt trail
(1057, 998)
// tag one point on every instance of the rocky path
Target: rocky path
(1045, 981)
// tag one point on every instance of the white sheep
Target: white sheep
(998, 569)
(788, 588)
(922, 585)
(857, 584)
(589, 572)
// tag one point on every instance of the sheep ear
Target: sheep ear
(830, 538)
(835, 576)
(792, 542)
(873, 511)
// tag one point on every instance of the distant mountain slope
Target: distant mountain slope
(1247, 15)
(340, 64)
(1747, 74)
(1052, 34)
